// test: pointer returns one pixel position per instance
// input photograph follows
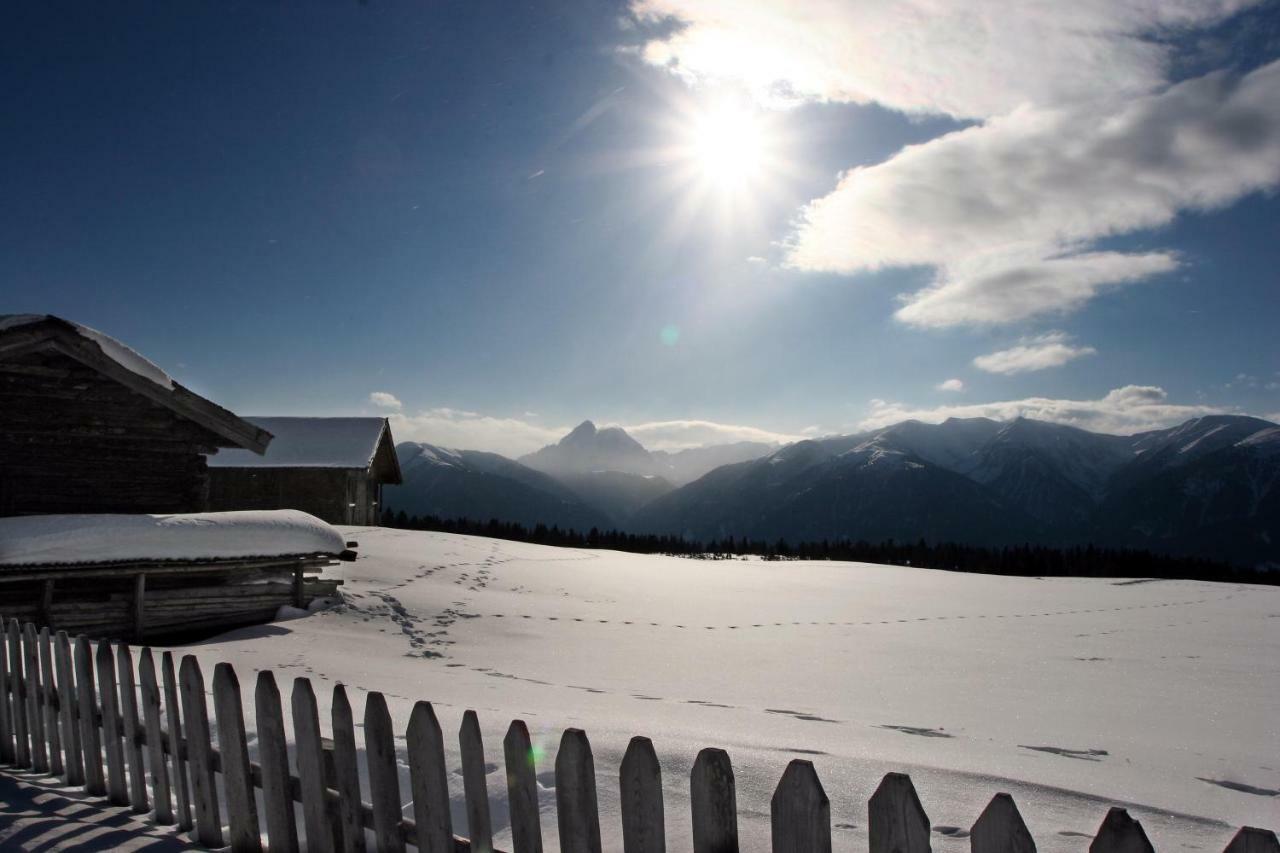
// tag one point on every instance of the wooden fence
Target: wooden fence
(74, 709)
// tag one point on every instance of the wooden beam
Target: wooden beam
(139, 605)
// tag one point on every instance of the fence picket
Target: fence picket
(522, 789)
(18, 694)
(640, 794)
(200, 752)
(133, 736)
(896, 822)
(35, 699)
(52, 701)
(346, 771)
(273, 754)
(475, 788)
(68, 711)
(1120, 833)
(384, 776)
(1250, 839)
(159, 770)
(310, 756)
(117, 792)
(173, 709)
(713, 799)
(6, 719)
(800, 811)
(87, 707)
(54, 691)
(1000, 829)
(429, 782)
(577, 810)
(233, 747)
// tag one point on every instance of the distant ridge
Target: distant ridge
(1209, 487)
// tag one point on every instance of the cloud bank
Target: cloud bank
(1052, 349)
(513, 437)
(1122, 411)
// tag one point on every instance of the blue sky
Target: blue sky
(704, 220)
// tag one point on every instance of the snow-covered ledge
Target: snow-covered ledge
(70, 539)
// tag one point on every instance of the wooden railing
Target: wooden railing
(74, 710)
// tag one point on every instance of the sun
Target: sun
(728, 144)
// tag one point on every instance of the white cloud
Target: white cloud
(681, 434)
(1124, 411)
(513, 437)
(951, 385)
(1052, 349)
(974, 59)
(1008, 211)
(384, 400)
(1079, 137)
(465, 430)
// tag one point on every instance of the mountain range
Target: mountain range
(1208, 487)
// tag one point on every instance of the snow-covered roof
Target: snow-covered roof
(125, 356)
(311, 443)
(24, 336)
(69, 539)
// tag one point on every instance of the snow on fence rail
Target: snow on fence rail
(66, 705)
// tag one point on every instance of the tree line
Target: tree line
(1024, 560)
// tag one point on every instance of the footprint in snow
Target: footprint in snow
(1081, 754)
(1241, 787)
(917, 730)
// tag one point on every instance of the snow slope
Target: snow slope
(1071, 694)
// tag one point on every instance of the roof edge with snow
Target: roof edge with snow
(25, 334)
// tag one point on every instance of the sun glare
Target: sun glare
(728, 144)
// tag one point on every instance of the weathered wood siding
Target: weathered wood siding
(337, 495)
(72, 440)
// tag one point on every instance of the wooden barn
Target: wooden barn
(332, 468)
(89, 426)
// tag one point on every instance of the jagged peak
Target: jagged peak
(582, 430)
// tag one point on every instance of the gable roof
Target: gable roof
(32, 334)
(355, 443)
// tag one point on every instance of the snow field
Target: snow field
(1071, 694)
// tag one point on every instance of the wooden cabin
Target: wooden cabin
(332, 468)
(87, 425)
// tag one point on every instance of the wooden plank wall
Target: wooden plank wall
(112, 450)
(57, 719)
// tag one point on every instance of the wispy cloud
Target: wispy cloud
(970, 60)
(681, 434)
(1052, 349)
(1008, 211)
(1124, 411)
(385, 400)
(954, 385)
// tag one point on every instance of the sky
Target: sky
(705, 220)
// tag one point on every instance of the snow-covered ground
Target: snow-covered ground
(1070, 694)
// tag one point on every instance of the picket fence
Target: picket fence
(66, 705)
